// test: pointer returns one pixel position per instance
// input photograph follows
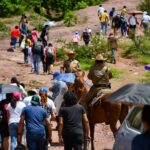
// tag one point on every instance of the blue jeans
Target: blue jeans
(36, 62)
(36, 142)
(104, 27)
(113, 56)
(13, 130)
(14, 42)
(123, 28)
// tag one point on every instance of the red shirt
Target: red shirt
(15, 33)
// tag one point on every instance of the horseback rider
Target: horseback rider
(71, 65)
(100, 76)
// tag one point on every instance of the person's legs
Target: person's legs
(145, 26)
(38, 63)
(77, 141)
(34, 63)
(105, 27)
(113, 55)
(102, 27)
(31, 142)
(6, 143)
(67, 143)
(13, 129)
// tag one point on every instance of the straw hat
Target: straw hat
(100, 57)
(70, 52)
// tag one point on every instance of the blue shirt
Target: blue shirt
(34, 117)
(57, 86)
(142, 141)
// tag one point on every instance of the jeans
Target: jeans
(104, 27)
(13, 130)
(35, 142)
(36, 62)
(113, 56)
(14, 42)
(73, 141)
(123, 28)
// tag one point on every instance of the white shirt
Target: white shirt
(27, 100)
(132, 21)
(15, 113)
(101, 10)
(146, 18)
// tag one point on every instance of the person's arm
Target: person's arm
(20, 129)
(48, 124)
(86, 125)
(60, 128)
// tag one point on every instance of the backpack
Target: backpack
(49, 52)
(86, 35)
(37, 47)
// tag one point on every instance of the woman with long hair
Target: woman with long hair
(72, 120)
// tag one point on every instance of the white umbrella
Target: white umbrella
(50, 24)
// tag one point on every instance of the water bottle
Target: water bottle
(87, 144)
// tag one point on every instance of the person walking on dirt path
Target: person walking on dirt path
(49, 58)
(100, 75)
(132, 21)
(112, 46)
(86, 36)
(124, 10)
(100, 10)
(116, 23)
(35, 117)
(104, 19)
(34, 35)
(15, 33)
(50, 108)
(112, 13)
(71, 65)
(123, 25)
(72, 121)
(27, 50)
(145, 22)
(38, 53)
(4, 131)
(14, 111)
(76, 38)
(142, 141)
(23, 20)
(43, 35)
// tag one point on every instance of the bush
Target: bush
(145, 5)
(81, 5)
(139, 49)
(70, 18)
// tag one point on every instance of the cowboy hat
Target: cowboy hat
(70, 52)
(100, 57)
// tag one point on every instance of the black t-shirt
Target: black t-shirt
(72, 117)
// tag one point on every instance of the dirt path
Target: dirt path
(11, 64)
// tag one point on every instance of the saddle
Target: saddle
(99, 97)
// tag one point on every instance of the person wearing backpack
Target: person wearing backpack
(49, 58)
(123, 25)
(86, 35)
(112, 13)
(116, 23)
(37, 52)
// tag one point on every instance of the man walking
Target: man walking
(35, 118)
(38, 53)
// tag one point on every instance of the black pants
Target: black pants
(73, 141)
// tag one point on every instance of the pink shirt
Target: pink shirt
(35, 35)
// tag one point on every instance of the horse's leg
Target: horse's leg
(92, 126)
(113, 127)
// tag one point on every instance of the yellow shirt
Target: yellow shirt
(124, 11)
(104, 17)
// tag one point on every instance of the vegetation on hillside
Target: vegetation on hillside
(145, 5)
(52, 8)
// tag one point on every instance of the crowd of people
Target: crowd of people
(28, 115)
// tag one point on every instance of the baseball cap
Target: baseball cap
(36, 100)
(16, 96)
(43, 89)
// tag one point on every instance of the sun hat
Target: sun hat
(100, 57)
(36, 100)
(16, 96)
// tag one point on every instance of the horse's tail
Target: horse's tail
(124, 112)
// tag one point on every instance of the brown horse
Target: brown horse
(103, 111)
